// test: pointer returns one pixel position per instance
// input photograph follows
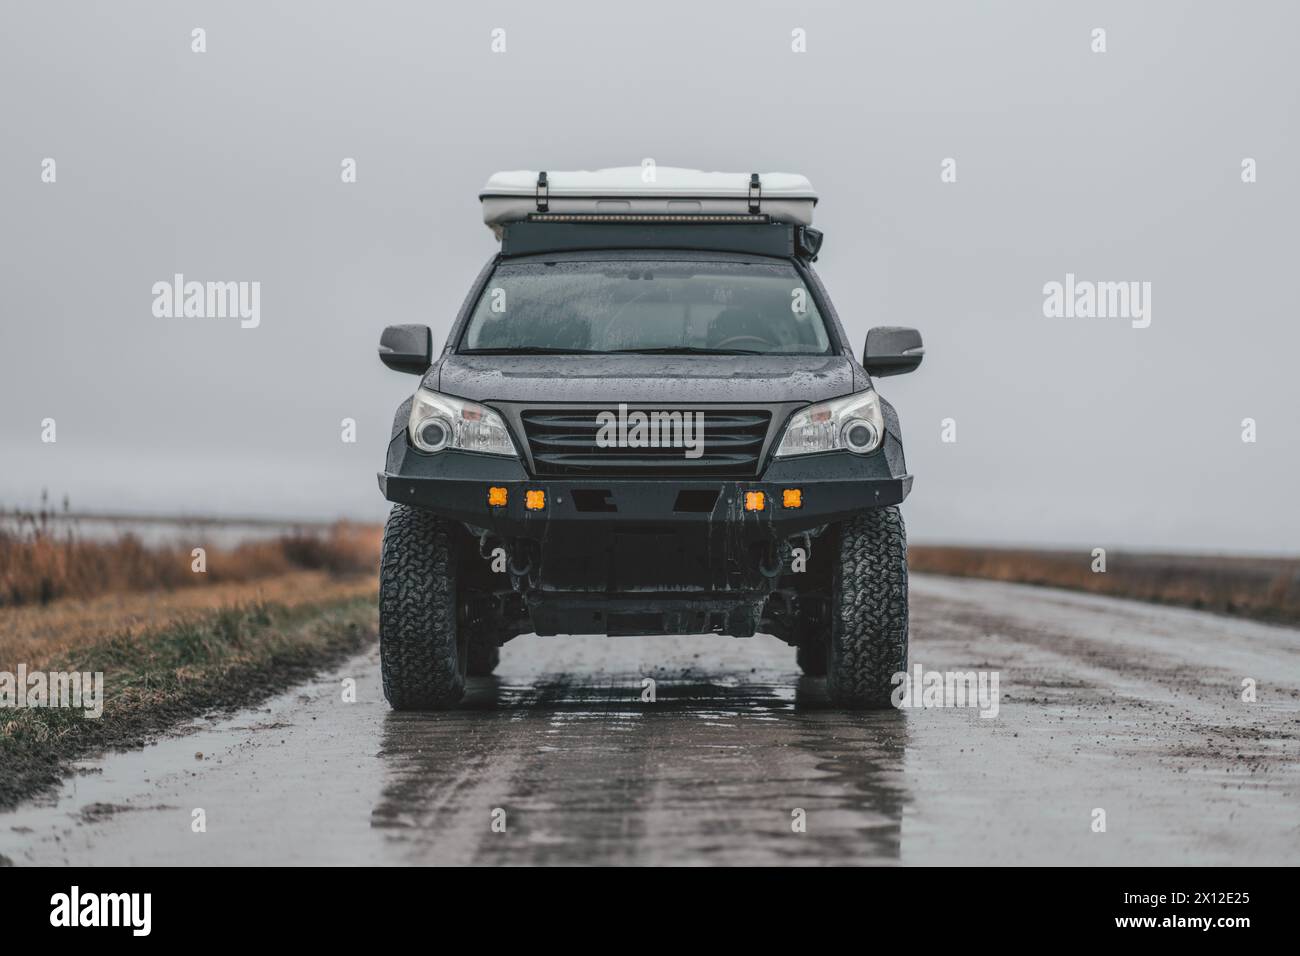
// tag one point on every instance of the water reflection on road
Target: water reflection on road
(586, 772)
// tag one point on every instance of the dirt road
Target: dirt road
(1105, 705)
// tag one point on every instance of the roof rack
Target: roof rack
(672, 194)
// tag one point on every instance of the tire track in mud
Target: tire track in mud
(1137, 681)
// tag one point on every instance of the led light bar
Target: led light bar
(646, 217)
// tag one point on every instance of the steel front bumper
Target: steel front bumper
(456, 485)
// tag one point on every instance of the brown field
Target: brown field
(39, 565)
(37, 635)
(1262, 588)
(60, 592)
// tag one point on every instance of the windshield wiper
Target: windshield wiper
(666, 350)
(687, 350)
(528, 350)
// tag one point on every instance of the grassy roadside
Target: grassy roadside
(157, 679)
(37, 634)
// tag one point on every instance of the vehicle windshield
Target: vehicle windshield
(664, 306)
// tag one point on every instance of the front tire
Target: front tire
(868, 644)
(423, 651)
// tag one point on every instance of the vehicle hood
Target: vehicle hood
(643, 378)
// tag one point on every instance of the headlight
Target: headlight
(441, 421)
(853, 423)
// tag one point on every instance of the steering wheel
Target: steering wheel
(726, 343)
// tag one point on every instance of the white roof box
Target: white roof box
(632, 190)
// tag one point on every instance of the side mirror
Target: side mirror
(407, 348)
(892, 350)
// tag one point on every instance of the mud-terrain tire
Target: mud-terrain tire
(811, 656)
(868, 641)
(423, 652)
(483, 658)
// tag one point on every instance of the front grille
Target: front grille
(563, 443)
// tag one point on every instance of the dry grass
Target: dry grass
(1262, 588)
(39, 565)
(38, 634)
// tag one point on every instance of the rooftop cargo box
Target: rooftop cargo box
(629, 190)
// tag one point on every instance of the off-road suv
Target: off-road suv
(646, 420)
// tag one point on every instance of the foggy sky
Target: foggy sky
(1122, 166)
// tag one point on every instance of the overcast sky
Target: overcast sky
(225, 165)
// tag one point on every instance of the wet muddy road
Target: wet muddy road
(1110, 705)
